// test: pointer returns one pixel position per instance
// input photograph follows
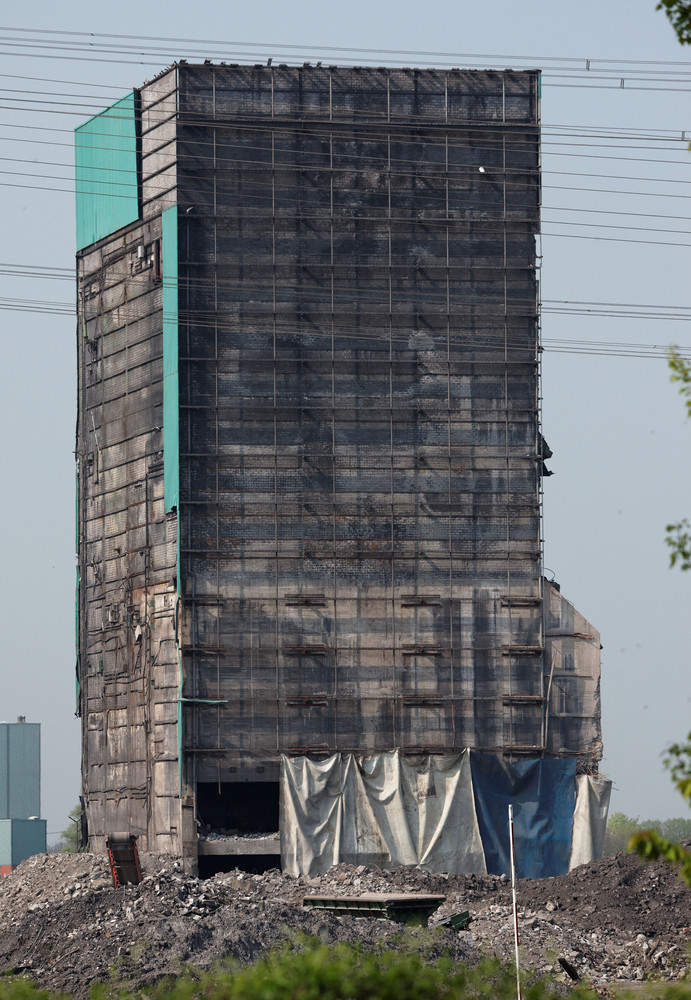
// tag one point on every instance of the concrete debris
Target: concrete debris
(616, 919)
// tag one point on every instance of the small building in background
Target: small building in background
(22, 833)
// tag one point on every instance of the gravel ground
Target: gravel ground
(63, 924)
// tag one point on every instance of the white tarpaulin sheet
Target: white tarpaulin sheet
(381, 811)
(589, 818)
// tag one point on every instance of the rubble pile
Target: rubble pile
(63, 923)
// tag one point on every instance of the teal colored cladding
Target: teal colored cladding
(21, 839)
(77, 669)
(5, 842)
(106, 175)
(171, 402)
(20, 770)
(171, 421)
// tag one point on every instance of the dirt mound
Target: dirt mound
(63, 923)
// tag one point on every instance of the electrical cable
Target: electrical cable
(50, 47)
(340, 48)
(53, 50)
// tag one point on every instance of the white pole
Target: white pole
(515, 904)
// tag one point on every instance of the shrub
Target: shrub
(345, 972)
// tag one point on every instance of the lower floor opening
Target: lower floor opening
(238, 827)
(254, 864)
(237, 808)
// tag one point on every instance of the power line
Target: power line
(433, 169)
(628, 310)
(587, 64)
(342, 48)
(456, 172)
(610, 134)
(546, 152)
(123, 89)
(611, 310)
(53, 50)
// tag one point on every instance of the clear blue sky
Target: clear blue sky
(613, 157)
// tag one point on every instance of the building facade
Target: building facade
(309, 454)
(22, 832)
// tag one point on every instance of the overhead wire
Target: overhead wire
(612, 77)
(433, 169)
(476, 146)
(604, 135)
(401, 120)
(302, 302)
(431, 223)
(569, 131)
(77, 48)
(634, 310)
(549, 345)
(340, 48)
(470, 168)
(277, 127)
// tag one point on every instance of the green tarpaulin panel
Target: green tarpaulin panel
(106, 176)
(171, 422)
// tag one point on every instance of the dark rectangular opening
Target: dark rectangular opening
(238, 807)
(255, 864)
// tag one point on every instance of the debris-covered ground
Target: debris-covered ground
(63, 923)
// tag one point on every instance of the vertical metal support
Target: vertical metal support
(536, 438)
(275, 434)
(336, 643)
(447, 210)
(394, 656)
(217, 449)
(512, 847)
(508, 710)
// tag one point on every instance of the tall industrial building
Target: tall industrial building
(22, 832)
(309, 467)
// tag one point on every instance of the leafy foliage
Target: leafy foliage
(69, 838)
(679, 14)
(22, 989)
(678, 763)
(621, 828)
(653, 845)
(310, 970)
(346, 972)
(679, 541)
(681, 373)
(679, 535)
(678, 828)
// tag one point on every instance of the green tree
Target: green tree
(620, 830)
(679, 535)
(653, 845)
(69, 838)
(678, 828)
(679, 14)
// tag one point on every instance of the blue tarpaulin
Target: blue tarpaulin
(543, 793)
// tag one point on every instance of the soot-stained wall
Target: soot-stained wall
(358, 412)
(345, 553)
